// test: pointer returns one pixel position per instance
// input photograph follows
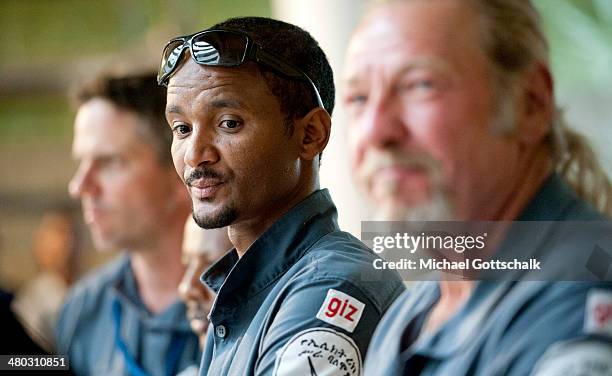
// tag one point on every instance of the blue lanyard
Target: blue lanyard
(177, 344)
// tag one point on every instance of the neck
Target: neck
(453, 294)
(158, 271)
(246, 232)
(537, 168)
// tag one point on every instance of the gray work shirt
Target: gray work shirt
(301, 301)
(505, 328)
(87, 326)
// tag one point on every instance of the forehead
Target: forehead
(204, 252)
(101, 127)
(424, 30)
(192, 84)
(195, 252)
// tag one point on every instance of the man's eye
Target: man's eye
(181, 129)
(357, 99)
(230, 124)
(109, 162)
(424, 84)
(419, 85)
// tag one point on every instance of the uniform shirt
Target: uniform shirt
(301, 301)
(505, 328)
(86, 331)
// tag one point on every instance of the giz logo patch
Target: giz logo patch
(599, 312)
(341, 310)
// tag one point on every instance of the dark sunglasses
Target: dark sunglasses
(223, 48)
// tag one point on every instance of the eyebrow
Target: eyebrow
(173, 109)
(424, 62)
(227, 103)
(421, 62)
(219, 103)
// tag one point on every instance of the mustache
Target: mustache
(375, 160)
(198, 311)
(197, 315)
(203, 173)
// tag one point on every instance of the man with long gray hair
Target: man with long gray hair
(453, 117)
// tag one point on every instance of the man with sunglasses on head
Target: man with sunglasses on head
(126, 318)
(249, 104)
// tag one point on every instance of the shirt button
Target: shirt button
(220, 331)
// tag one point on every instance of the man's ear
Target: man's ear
(536, 105)
(314, 132)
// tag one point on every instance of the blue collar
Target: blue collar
(553, 199)
(125, 291)
(273, 253)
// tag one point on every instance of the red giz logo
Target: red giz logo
(602, 313)
(341, 308)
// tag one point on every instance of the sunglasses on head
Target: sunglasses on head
(223, 48)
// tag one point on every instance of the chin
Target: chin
(208, 219)
(103, 243)
(199, 326)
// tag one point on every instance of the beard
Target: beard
(225, 217)
(438, 208)
(209, 220)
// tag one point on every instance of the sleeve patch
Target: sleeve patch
(598, 317)
(576, 359)
(341, 310)
(318, 352)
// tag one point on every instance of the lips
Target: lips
(205, 188)
(196, 314)
(198, 320)
(92, 215)
(398, 172)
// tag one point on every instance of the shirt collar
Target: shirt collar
(553, 203)
(553, 199)
(285, 242)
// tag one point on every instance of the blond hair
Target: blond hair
(514, 41)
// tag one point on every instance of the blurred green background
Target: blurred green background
(48, 46)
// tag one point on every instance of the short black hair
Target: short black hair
(296, 47)
(140, 94)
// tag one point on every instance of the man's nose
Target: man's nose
(82, 181)
(382, 122)
(190, 287)
(201, 149)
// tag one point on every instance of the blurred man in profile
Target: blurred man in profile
(452, 117)
(126, 318)
(201, 248)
